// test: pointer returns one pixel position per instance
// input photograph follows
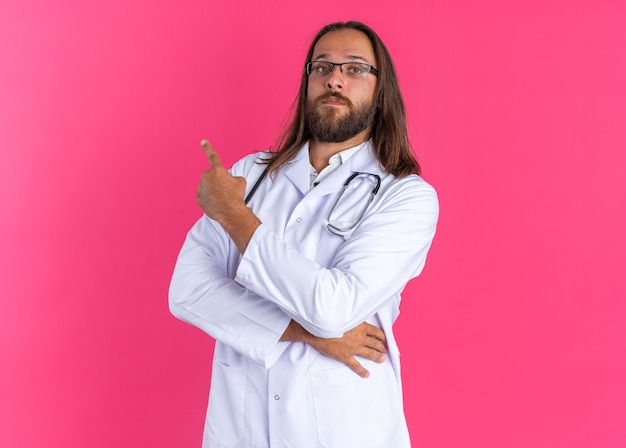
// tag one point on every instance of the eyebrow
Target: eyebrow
(353, 57)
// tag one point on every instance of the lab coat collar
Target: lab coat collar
(298, 170)
(363, 160)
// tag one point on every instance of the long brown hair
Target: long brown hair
(389, 134)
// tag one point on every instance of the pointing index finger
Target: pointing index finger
(214, 159)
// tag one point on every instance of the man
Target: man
(301, 285)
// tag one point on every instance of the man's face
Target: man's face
(339, 107)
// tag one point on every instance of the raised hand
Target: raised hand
(221, 197)
(218, 191)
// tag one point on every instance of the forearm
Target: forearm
(240, 223)
(365, 274)
(326, 301)
(203, 295)
(296, 333)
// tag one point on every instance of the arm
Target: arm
(220, 196)
(369, 269)
(367, 273)
(203, 293)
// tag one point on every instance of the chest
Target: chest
(301, 218)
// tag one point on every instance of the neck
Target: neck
(321, 152)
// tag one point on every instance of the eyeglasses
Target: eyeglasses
(355, 70)
(343, 230)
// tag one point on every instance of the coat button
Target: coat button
(299, 220)
(276, 397)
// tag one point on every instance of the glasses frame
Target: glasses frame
(370, 68)
(342, 231)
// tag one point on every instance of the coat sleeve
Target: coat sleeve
(203, 293)
(369, 269)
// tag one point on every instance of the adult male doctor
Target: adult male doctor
(300, 286)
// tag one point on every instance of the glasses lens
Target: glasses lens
(356, 70)
(318, 68)
(351, 69)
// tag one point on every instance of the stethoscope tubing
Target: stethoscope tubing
(332, 228)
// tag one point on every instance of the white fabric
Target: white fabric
(334, 162)
(267, 393)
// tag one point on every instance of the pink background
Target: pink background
(515, 334)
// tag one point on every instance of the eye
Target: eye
(321, 68)
(356, 69)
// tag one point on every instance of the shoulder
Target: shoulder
(250, 164)
(411, 185)
(410, 192)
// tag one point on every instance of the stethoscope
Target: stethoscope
(333, 228)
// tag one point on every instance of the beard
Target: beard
(324, 124)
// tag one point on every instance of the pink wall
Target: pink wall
(513, 337)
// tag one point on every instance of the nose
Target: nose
(335, 80)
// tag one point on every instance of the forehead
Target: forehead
(345, 44)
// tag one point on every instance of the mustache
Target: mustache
(320, 99)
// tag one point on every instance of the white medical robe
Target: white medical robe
(268, 393)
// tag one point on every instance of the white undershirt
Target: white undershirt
(333, 163)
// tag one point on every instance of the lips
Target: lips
(334, 100)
